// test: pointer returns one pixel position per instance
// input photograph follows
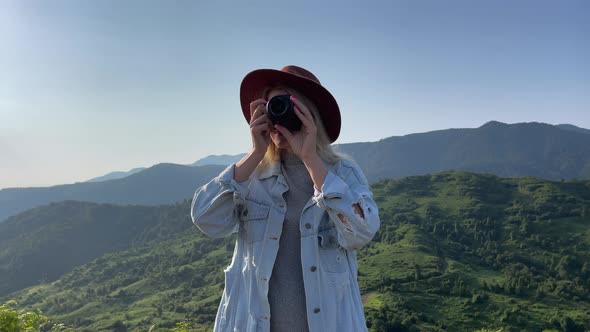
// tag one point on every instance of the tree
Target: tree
(13, 320)
(119, 326)
(417, 273)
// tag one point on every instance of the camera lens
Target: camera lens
(278, 107)
(280, 110)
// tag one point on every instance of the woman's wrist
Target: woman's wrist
(257, 154)
(246, 165)
(317, 170)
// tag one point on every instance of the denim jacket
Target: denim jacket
(255, 209)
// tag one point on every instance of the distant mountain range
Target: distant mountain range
(573, 128)
(116, 175)
(509, 150)
(536, 149)
(159, 184)
(224, 159)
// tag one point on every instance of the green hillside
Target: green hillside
(457, 251)
(41, 244)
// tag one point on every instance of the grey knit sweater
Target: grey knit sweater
(286, 292)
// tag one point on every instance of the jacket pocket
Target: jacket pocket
(332, 255)
(254, 215)
(341, 283)
(256, 324)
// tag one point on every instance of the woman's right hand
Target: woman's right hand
(260, 126)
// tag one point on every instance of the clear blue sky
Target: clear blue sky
(90, 87)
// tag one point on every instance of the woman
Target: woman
(301, 211)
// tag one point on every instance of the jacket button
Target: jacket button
(245, 213)
(281, 205)
(316, 310)
(308, 225)
(313, 268)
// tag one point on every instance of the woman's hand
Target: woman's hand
(303, 142)
(260, 127)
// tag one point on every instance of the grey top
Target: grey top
(286, 293)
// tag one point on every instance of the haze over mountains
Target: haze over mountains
(116, 175)
(224, 159)
(536, 149)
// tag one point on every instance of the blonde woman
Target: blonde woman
(301, 211)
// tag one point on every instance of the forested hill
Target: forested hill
(41, 244)
(456, 251)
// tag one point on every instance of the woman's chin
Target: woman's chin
(281, 142)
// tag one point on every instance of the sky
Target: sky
(91, 87)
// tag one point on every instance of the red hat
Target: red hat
(255, 82)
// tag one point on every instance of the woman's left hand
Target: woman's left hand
(303, 142)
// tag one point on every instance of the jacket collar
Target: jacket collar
(274, 169)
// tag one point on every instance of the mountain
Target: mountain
(209, 160)
(116, 175)
(226, 159)
(223, 159)
(523, 149)
(511, 150)
(456, 251)
(573, 128)
(159, 184)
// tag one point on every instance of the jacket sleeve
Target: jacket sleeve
(216, 205)
(338, 195)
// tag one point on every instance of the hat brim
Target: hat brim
(255, 82)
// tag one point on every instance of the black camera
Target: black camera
(281, 110)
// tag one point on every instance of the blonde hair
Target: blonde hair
(325, 150)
